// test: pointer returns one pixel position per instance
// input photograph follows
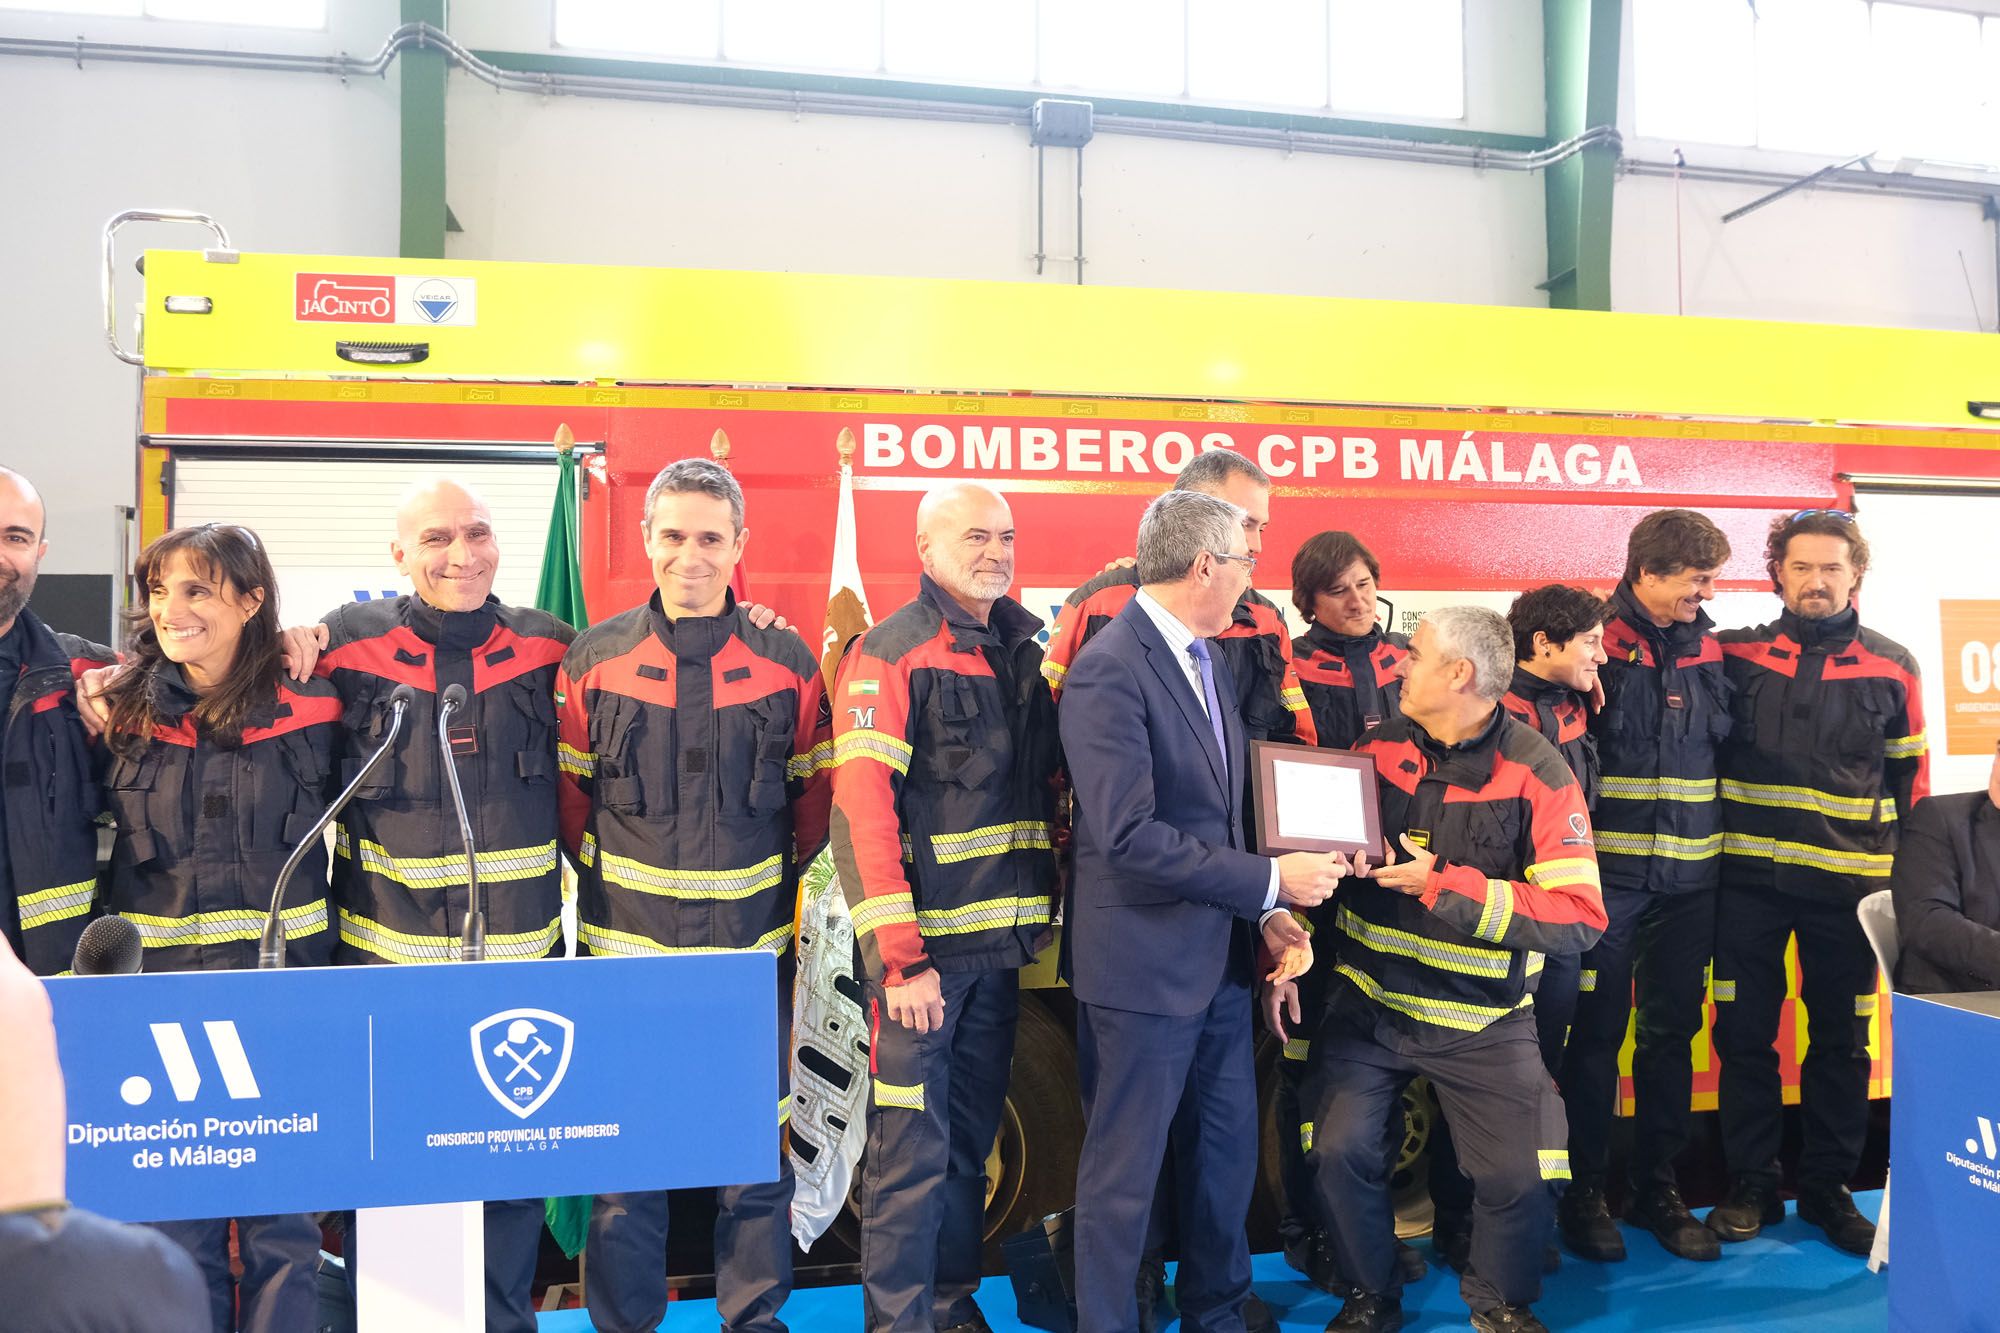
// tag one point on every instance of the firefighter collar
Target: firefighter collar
(1468, 764)
(1681, 638)
(1831, 633)
(693, 638)
(1008, 624)
(1344, 645)
(1527, 685)
(460, 630)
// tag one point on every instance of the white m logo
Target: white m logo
(1986, 1134)
(177, 1056)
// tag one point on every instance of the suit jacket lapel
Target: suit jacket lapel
(1167, 666)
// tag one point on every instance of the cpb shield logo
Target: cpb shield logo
(522, 1055)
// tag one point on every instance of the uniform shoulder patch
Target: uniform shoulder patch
(864, 687)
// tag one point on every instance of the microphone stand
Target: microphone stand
(472, 942)
(271, 948)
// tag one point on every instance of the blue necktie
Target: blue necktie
(1198, 650)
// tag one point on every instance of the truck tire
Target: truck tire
(1031, 1169)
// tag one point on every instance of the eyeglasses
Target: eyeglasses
(1838, 515)
(1249, 561)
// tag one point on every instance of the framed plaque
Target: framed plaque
(1310, 800)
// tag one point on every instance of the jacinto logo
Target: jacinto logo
(345, 298)
(177, 1057)
(522, 1055)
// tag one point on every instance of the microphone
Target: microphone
(109, 946)
(472, 943)
(271, 948)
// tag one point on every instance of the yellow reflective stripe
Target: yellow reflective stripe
(880, 746)
(1800, 798)
(1656, 789)
(910, 1097)
(815, 760)
(443, 872)
(57, 904)
(1440, 1013)
(1536, 962)
(1298, 1048)
(1052, 673)
(589, 854)
(1800, 854)
(578, 763)
(993, 840)
(1465, 958)
(1864, 1005)
(1306, 1136)
(603, 939)
(1905, 747)
(988, 914)
(784, 1109)
(1658, 844)
(398, 947)
(890, 909)
(1554, 1163)
(1723, 991)
(1586, 980)
(1294, 698)
(719, 885)
(1499, 911)
(225, 925)
(1568, 870)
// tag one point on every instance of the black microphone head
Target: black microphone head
(453, 698)
(403, 696)
(109, 946)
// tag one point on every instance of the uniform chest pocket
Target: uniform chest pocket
(530, 722)
(1712, 693)
(409, 771)
(1852, 722)
(758, 787)
(958, 743)
(635, 756)
(138, 806)
(1478, 834)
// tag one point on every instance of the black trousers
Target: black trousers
(1510, 1138)
(932, 1116)
(280, 1257)
(1555, 1013)
(1663, 942)
(1837, 987)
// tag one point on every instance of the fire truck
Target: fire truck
(1478, 451)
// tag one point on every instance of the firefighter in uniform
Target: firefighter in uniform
(216, 768)
(943, 794)
(1257, 649)
(1431, 960)
(1827, 751)
(1659, 846)
(399, 888)
(48, 801)
(695, 753)
(1558, 647)
(1350, 670)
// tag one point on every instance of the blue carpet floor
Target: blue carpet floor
(1788, 1278)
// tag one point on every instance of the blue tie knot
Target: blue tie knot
(1198, 649)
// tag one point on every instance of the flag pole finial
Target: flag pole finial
(718, 447)
(565, 439)
(844, 443)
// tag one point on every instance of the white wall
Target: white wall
(287, 162)
(1815, 255)
(303, 163)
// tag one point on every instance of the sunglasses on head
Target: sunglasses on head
(1839, 515)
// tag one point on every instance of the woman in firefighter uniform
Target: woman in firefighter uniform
(214, 767)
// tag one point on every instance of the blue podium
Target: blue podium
(1944, 1161)
(412, 1093)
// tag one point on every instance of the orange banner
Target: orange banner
(1971, 676)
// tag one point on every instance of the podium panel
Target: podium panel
(211, 1094)
(1944, 1163)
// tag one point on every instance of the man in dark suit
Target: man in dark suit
(1160, 923)
(1946, 884)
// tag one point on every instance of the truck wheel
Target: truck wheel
(1031, 1168)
